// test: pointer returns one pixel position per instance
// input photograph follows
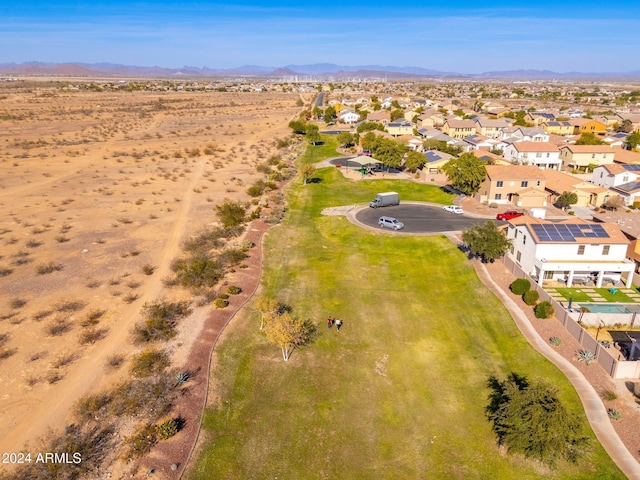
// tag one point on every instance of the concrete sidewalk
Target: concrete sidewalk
(593, 406)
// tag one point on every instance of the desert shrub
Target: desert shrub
(87, 408)
(233, 290)
(4, 338)
(200, 270)
(555, 341)
(586, 356)
(614, 414)
(93, 317)
(232, 256)
(544, 310)
(4, 271)
(531, 297)
(609, 395)
(231, 214)
(221, 302)
(161, 318)
(90, 443)
(223, 296)
(50, 267)
(6, 353)
(70, 306)
(148, 269)
(139, 442)
(92, 335)
(57, 327)
(167, 429)
(149, 362)
(520, 286)
(17, 303)
(115, 361)
(151, 396)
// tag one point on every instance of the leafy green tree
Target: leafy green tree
(589, 138)
(441, 146)
(396, 114)
(368, 126)
(529, 419)
(312, 134)
(465, 173)
(388, 151)
(308, 172)
(566, 199)
(519, 118)
(396, 104)
(330, 114)
(626, 126)
(415, 161)
(298, 126)
(486, 241)
(345, 139)
(633, 140)
(316, 111)
(369, 140)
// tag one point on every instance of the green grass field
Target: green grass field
(400, 392)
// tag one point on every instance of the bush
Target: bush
(50, 267)
(233, 290)
(586, 356)
(614, 414)
(544, 310)
(140, 441)
(609, 395)
(161, 320)
(555, 341)
(520, 286)
(221, 302)
(531, 297)
(167, 429)
(149, 362)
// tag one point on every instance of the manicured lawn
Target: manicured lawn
(400, 392)
(579, 295)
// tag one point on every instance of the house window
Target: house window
(539, 155)
(511, 248)
(518, 256)
(593, 155)
(580, 249)
(524, 184)
(538, 183)
(605, 249)
(499, 184)
(625, 178)
(498, 196)
(524, 239)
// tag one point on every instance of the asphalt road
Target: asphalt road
(418, 218)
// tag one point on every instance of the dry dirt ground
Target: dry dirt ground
(97, 192)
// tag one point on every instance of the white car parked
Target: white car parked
(453, 209)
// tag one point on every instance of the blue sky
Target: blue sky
(468, 37)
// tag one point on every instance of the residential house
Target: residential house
(583, 157)
(435, 161)
(480, 142)
(522, 185)
(573, 251)
(524, 134)
(431, 119)
(497, 112)
(400, 127)
(491, 128)
(539, 154)
(458, 128)
(615, 174)
(628, 157)
(589, 194)
(557, 128)
(380, 116)
(409, 115)
(412, 142)
(434, 134)
(348, 116)
(617, 139)
(630, 228)
(633, 118)
(489, 158)
(587, 125)
(630, 192)
(538, 118)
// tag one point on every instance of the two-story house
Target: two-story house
(458, 128)
(582, 157)
(587, 125)
(558, 127)
(615, 174)
(380, 116)
(539, 154)
(348, 117)
(400, 127)
(491, 128)
(573, 252)
(522, 185)
(524, 134)
(537, 118)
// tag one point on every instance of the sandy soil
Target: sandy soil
(99, 185)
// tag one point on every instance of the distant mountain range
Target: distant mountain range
(319, 71)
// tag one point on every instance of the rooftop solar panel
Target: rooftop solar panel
(568, 232)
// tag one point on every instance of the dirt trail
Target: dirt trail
(89, 372)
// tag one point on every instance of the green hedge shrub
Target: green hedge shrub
(531, 297)
(544, 310)
(520, 286)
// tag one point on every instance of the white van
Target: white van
(390, 222)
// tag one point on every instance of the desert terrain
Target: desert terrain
(97, 192)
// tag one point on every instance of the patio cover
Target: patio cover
(364, 160)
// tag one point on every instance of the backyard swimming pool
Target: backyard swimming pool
(612, 307)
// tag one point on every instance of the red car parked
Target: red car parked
(509, 214)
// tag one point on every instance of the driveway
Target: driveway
(418, 218)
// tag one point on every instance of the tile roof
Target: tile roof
(535, 147)
(514, 172)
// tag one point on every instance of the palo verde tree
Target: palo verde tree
(465, 173)
(288, 332)
(308, 172)
(529, 419)
(486, 241)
